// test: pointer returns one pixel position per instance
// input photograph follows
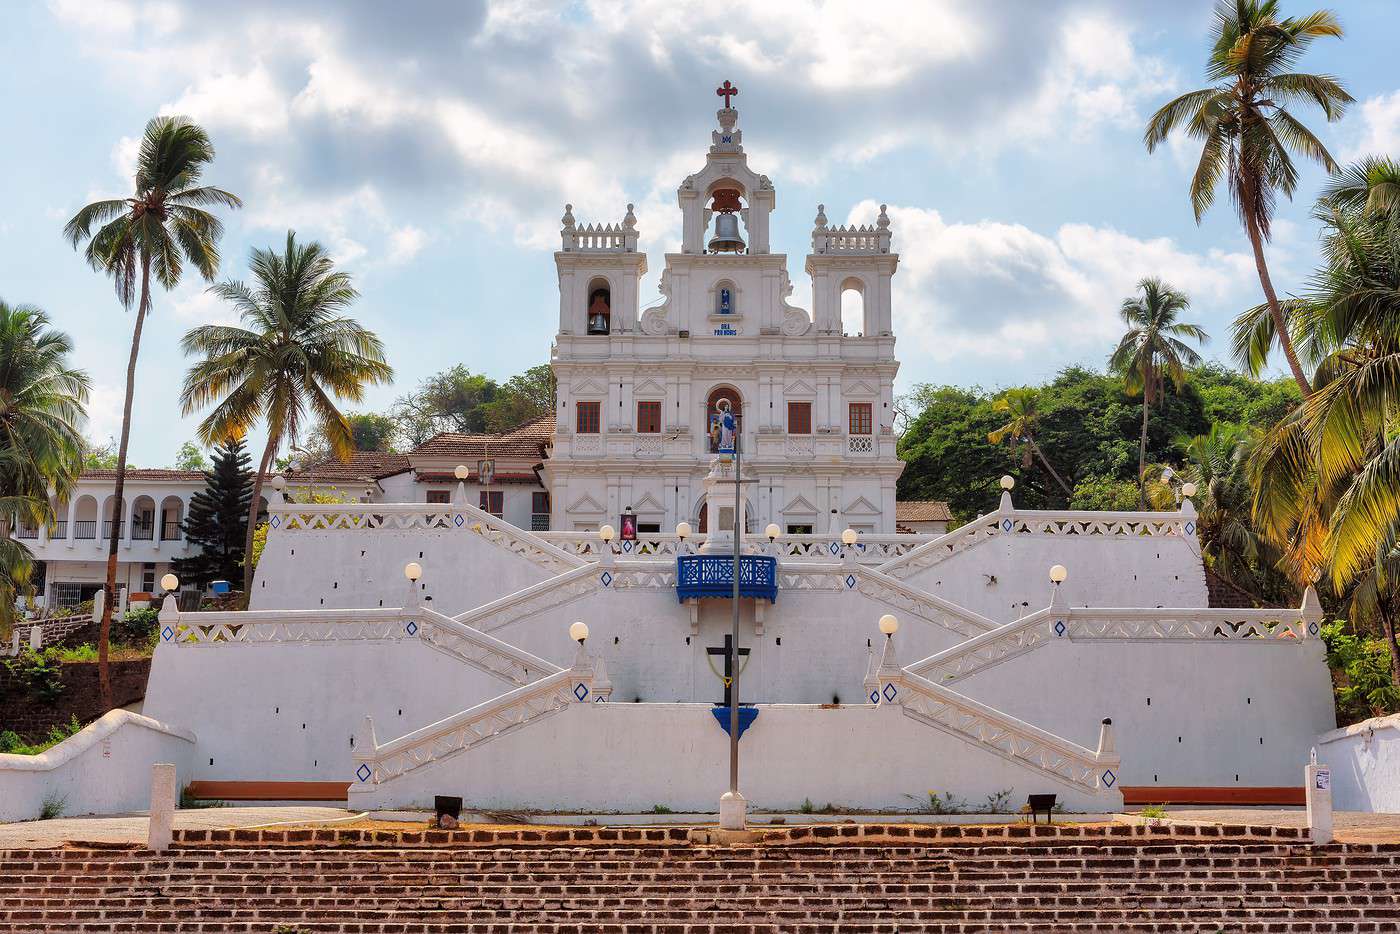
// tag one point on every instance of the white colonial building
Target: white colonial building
(638, 389)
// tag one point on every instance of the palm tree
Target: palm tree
(294, 358)
(1327, 478)
(160, 227)
(1022, 406)
(41, 444)
(1153, 351)
(1246, 130)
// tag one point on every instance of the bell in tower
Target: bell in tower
(726, 238)
(599, 312)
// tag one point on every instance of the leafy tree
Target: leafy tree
(523, 397)
(1022, 408)
(157, 229)
(371, 431)
(217, 522)
(1246, 130)
(452, 400)
(1152, 352)
(190, 457)
(296, 356)
(100, 456)
(41, 406)
(947, 455)
(1105, 493)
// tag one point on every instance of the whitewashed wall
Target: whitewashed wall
(1365, 761)
(629, 757)
(1211, 703)
(105, 768)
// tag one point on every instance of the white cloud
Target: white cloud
(104, 412)
(192, 304)
(124, 155)
(250, 101)
(1380, 121)
(405, 243)
(1000, 292)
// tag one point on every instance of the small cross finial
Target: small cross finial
(726, 91)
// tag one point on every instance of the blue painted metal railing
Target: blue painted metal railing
(700, 576)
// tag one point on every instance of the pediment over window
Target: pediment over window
(861, 388)
(648, 504)
(586, 505)
(861, 507)
(799, 506)
(649, 387)
(799, 388)
(589, 387)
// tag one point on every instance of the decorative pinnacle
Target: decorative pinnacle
(884, 219)
(568, 219)
(820, 219)
(630, 221)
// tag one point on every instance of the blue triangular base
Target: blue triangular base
(746, 717)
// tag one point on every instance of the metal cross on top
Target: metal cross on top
(726, 91)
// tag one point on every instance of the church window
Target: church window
(861, 419)
(797, 529)
(649, 417)
(589, 418)
(439, 496)
(493, 501)
(599, 307)
(539, 502)
(799, 418)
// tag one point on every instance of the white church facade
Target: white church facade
(397, 651)
(640, 388)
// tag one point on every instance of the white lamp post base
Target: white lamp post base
(733, 811)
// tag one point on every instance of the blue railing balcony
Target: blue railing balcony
(701, 576)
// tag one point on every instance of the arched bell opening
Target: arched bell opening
(599, 310)
(853, 323)
(727, 206)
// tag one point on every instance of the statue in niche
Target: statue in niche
(722, 428)
(725, 301)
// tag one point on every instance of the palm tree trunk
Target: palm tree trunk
(1051, 470)
(1142, 454)
(1285, 339)
(104, 633)
(1388, 628)
(253, 518)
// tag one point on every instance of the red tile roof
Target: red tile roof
(362, 467)
(527, 440)
(145, 473)
(921, 510)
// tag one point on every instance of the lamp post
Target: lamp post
(736, 799)
(773, 532)
(682, 533)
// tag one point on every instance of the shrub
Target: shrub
(137, 627)
(41, 674)
(10, 741)
(53, 806)
(1360, 674)
(1153, 812)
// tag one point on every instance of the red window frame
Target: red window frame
(799, 418)
(649, 417)
(539, 502)
(862, 420)
(493, 501)
(588, 417)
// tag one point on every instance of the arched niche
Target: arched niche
(854, 321)
(712, 412)
(724, 298)
(598, 307)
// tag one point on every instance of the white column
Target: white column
(162, 819)
(1317, 783)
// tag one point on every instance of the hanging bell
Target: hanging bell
(726, 238)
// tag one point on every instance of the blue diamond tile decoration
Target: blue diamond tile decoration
(627, 547)
(1059, 627)
(581, 691)
(835, 548)
(167, 633)
(275, 521)
(1006, 525)
(850, 581)
(1312, 629)
(458, 520)
(1109, 778)
(412, 628)
(363, 772)
(875, 696)
(1190, 528)
(889, 692)
(607, 579)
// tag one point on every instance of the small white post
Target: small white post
(169, 617)
(36, 637)
(1317, 783)
(1107, 746)
(1311, 611)
(162, 821)
(121, 603)
(99, 600)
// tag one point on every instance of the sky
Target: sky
(432, 145)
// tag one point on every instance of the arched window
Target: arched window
(713, 412)
(599, 307)
(853, 307)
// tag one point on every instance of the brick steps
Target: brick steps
(1053, 885)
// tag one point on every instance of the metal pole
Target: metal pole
(734, 642)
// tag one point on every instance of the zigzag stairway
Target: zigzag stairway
(852, 878)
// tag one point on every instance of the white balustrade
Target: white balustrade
(860, 445)
(800, 446)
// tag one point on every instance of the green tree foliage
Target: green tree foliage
(458, 400)
(190, 457)
(217, 523)
(1361, 676)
